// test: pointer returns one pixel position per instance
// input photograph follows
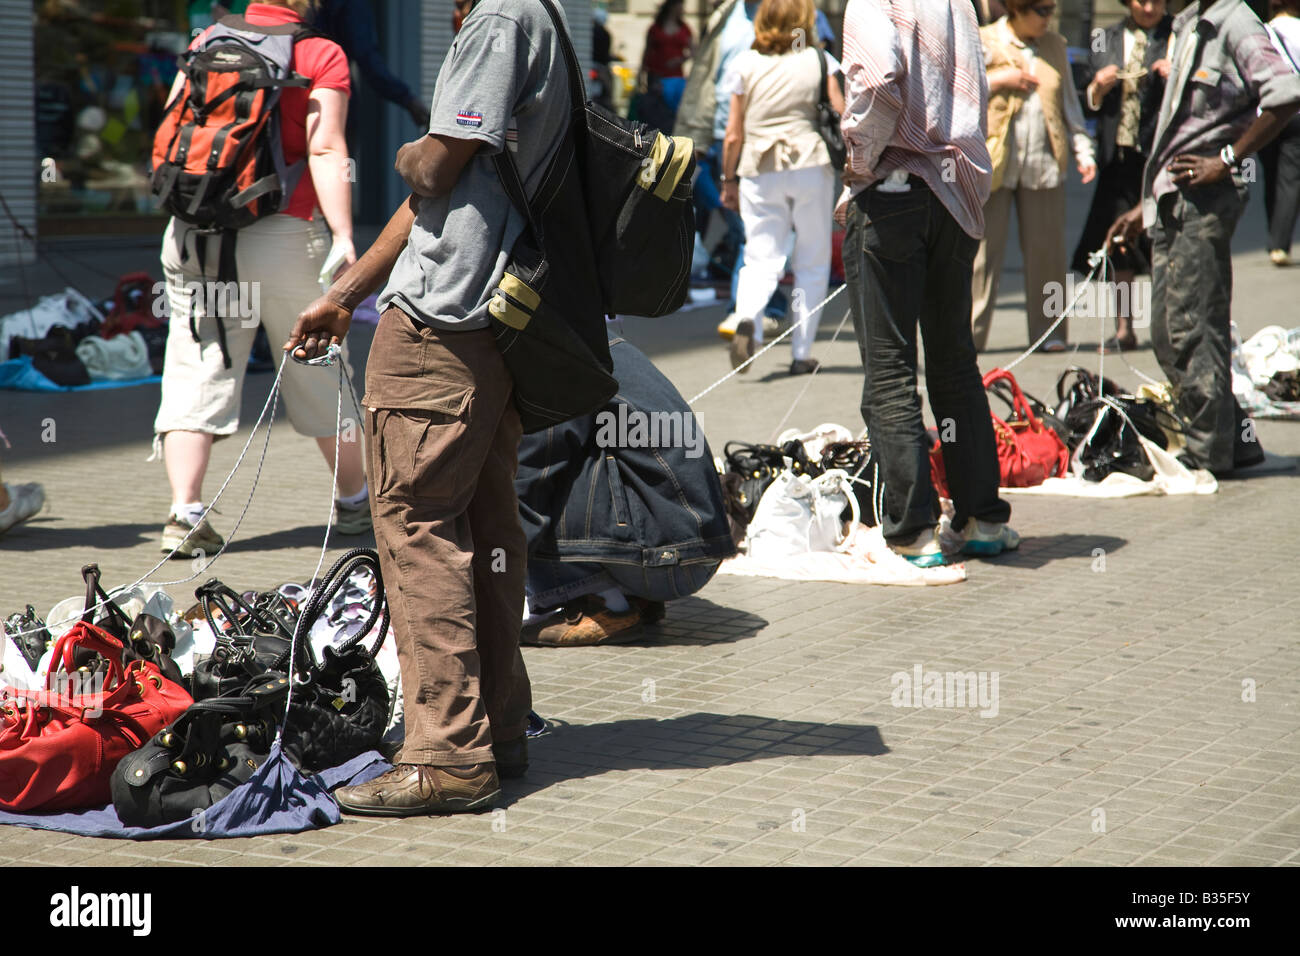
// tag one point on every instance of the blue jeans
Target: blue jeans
(556, 583)
(908, 264)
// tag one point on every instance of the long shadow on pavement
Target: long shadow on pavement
(691, 742)
(1041, 549)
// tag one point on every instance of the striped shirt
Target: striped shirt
(917, 101)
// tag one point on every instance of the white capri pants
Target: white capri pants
(278, 260)
(772, 205)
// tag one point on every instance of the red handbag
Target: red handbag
(58, 747)
(1028, 451)
(132, 316)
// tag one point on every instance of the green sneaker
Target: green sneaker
(923, 550)
(181, 539)
(352, 519)
(987, 538)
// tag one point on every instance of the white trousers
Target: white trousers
(773, 205)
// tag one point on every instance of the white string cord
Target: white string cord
(753, 358)
(807, 385)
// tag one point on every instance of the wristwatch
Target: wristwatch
(1229, 156)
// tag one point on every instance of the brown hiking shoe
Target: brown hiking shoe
(583, 623)
(410, 790)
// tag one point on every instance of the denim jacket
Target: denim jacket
(623, 486)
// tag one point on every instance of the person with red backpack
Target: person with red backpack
(251, 161)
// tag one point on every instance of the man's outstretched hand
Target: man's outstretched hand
(323, 323)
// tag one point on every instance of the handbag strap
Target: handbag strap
(823, 97)
(87, 635)
(227, 600)
(91, 574)
(319, 602)
(1019, 404)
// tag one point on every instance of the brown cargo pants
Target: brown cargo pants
(444, 445)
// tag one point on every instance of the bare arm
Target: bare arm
(432, 164)
(327, 320)
(835, 94)
(733, 142)
(327, 158)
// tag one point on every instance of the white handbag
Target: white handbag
(798, 514)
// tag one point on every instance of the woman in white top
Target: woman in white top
(1281, 158)
(777, 173)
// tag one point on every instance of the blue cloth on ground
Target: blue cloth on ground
(277, 799)
(19, 374)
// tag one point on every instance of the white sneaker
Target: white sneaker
(727, 327)
(924, 550)
(25, 501)
(981, 538)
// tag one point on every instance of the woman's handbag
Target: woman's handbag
(757, 466)
(828, 121)
(799, 515)
(145, 637)
(339, 704)
(59, 746)
(251, 639)
(212, 748)
(1028, 451)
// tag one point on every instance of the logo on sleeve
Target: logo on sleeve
(469, 118)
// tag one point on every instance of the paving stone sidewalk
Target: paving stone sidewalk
(1146, 654)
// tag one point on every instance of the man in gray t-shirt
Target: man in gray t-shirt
(504, 85)
(442, 429)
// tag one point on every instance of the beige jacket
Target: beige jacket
(1052, 64)
(696, 111)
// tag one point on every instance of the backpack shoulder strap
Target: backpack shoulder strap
(576, 89)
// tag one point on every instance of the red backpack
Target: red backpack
(218, 159)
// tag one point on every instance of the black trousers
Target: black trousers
(1191, 312)
(1281, 162)
(908, 265)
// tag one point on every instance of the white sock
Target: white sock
(615, 600)
(353, 500)
(189, 512)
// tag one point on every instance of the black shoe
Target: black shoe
(804, 366)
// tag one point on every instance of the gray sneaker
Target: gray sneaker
(25, 501)
(203, 538)
(352, 519)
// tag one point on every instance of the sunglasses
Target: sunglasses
(1045, 11)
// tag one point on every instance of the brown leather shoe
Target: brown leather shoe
(410, 790)
(583, 623)
(511, 757)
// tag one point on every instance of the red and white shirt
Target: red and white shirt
(916, 100)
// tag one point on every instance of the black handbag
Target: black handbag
(339, 705)
(145, 637)
(757, 466)
(212, 748)
(828, 121)
(251, 640)
(29, 635)
(1110, 441)
(54, 356)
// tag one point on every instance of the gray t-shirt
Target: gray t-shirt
(504, 82)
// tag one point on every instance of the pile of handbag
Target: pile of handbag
(748, 470)
(1266, 372)
(1118, 443)
(809, 509)
(117, 722)
(67, 340)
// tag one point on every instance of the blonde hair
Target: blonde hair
(779, 24)
(300, 7)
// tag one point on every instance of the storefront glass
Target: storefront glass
(103, 71)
